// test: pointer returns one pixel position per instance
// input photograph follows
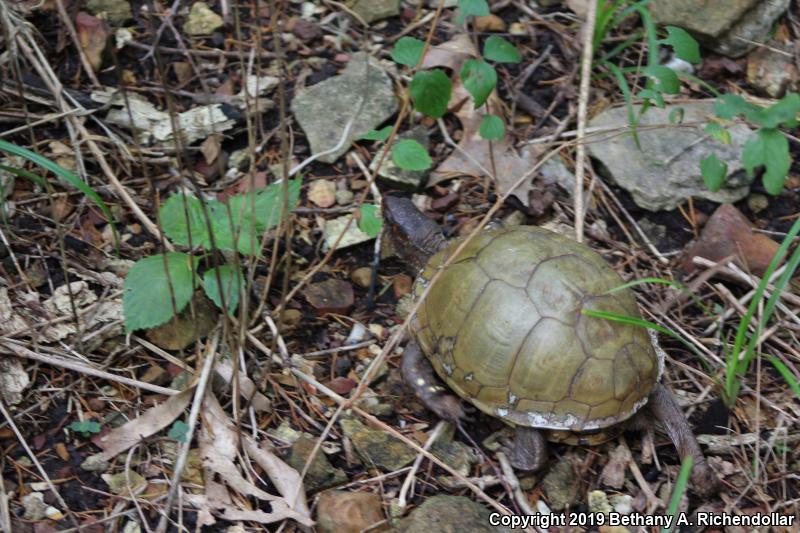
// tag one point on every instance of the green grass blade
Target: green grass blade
(68, 176)
(22, 173)
(626, 93)
(787, 375)
(678, 491)
(674, 284)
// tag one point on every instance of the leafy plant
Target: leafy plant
(369, 220)
(430, 90)
(85, 427)
(159, 286)
(767, 147)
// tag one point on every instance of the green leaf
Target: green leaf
(232, 281)
(408, 51)
(408, 154)
(471, 8)
(685, 46)
(770, 148)
(62, 173)
(146, 298)
(178, 431)
(655, 96)
(676, 115)
(668, 81)
(85, 427)
(479, 79)
(492, 128)
(369, 221)
(714, 172)
(251, 213)
(430, 91)
(718, 132)
(377, 135)
(729, 106)
(784, 111)
(500, 50)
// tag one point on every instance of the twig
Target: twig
(408, 483)
(583, 100)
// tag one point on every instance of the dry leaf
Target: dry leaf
(13, 380)
(210, 148)
(93, 35)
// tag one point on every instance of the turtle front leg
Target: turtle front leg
(528, 451)
(666, 410)
(419, 374)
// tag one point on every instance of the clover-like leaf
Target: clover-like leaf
(770, 148)
(408, 154)
(500, 50)
(479, 79)
(178, 431)
(408, 51)
(714, 172)
(369, 219)
(431, 91)
(471, 8)
(377, 135)
(668, 81)
(685, 45)
(492, 128)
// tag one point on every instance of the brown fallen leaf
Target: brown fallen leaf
(727, 233)
(613, 474)
(348, 512)
(93, 36)
(330, 296)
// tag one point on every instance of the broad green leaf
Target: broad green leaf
(183, 221)
(685, 46)
(500, 50)
(770, 148)
(471, 8)
(714, 172)
(232, 281)
(492, 128)
(430, 91)
(377, 135)
(369, 221)
(668, 81)
(479, 79)
(407, 51)
(408, 154)
(654, 96)
(784, 111)
(178, 431)
(729, 106)
(718, 132)
(146, 298)
(268, 202)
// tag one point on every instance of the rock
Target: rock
(725, 26)
(666, 171)
(449, 514)
(402, 285)
(348, 512)
(118, 483)
(306, 30)
(393, 175)
(322, 193)
(117, 12)
(373, 10)
(324, 109)
(330, 296)
(377, 448)
(558, 484)
(186, 328)
(770, 71)
(361, 277)
(517, 29)
(35, 508)
(344, 197)
(333, 228)
(321, 474)
(202, 20)
(292, 318)
(489, 23)
(727, 233)
(757, 203)
(455, 454)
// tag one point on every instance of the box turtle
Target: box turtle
(503, 327)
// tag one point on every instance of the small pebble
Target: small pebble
(344, 197)
(489, 23)
(361, 277)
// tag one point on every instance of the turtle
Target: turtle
(503, 327)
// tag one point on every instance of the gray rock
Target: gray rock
(321, 473)
(725, 26)
(393, 175)
(372, 10)
(770, 71)
(324, 109)
(558, 484)
(666, 171)
(449, 514)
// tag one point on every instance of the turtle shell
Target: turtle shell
(503, 327)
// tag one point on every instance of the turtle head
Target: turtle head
(414, 236)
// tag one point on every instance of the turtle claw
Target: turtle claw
(448, 407)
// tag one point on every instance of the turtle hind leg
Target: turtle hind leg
(666, 410)
(418, 373)
(528, 450)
